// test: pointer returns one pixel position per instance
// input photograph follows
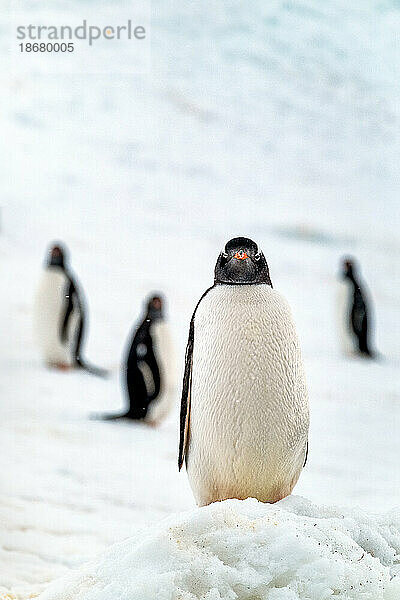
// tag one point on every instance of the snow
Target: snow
(237, 129)
(237, 550)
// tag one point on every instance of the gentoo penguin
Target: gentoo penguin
(244, 411)
(354, 317)
(59, 315)
(149, 371)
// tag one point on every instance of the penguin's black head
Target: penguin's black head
(349, 267)
(241, 263)
(57, 256)
(155, 308)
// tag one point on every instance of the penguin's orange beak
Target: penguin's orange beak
(241, 255)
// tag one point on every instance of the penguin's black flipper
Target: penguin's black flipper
(187, 388)
(143, 374)
(306, 456)
(359, 322)
(69, 307)
(358, 313)
(185, 400)
(79, 360)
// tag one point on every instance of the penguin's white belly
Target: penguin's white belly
(249, 409)
(165, 357)
(49, 312)
(344, 300)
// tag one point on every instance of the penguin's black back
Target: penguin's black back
(141, 357)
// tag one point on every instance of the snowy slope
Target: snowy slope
(239, 128)
(238, 550)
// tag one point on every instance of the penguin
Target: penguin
(354, 312)
(59, 315)
(244, 409)
(149, 368)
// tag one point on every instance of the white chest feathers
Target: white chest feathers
(49, 312)
(249, 409)
(164, 353)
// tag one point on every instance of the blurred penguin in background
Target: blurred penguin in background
(354, 312)
(59, 314)
(149, 370)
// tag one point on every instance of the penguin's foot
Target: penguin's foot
(60, 366)
(63, 367)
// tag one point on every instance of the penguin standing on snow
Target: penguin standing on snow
(354, 313)
(59, 315)
(149, 369)
(244, 410)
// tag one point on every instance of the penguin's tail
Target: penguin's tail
(98, 371)
(108, 417)
(115, 417)
(372, 354)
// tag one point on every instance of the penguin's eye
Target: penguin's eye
(257, 256)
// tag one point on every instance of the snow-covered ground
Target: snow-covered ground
(239, 550)
(275, 120)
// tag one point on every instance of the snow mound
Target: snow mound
(245, 550)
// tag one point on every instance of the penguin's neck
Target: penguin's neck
(57, 268)
(238, 285)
